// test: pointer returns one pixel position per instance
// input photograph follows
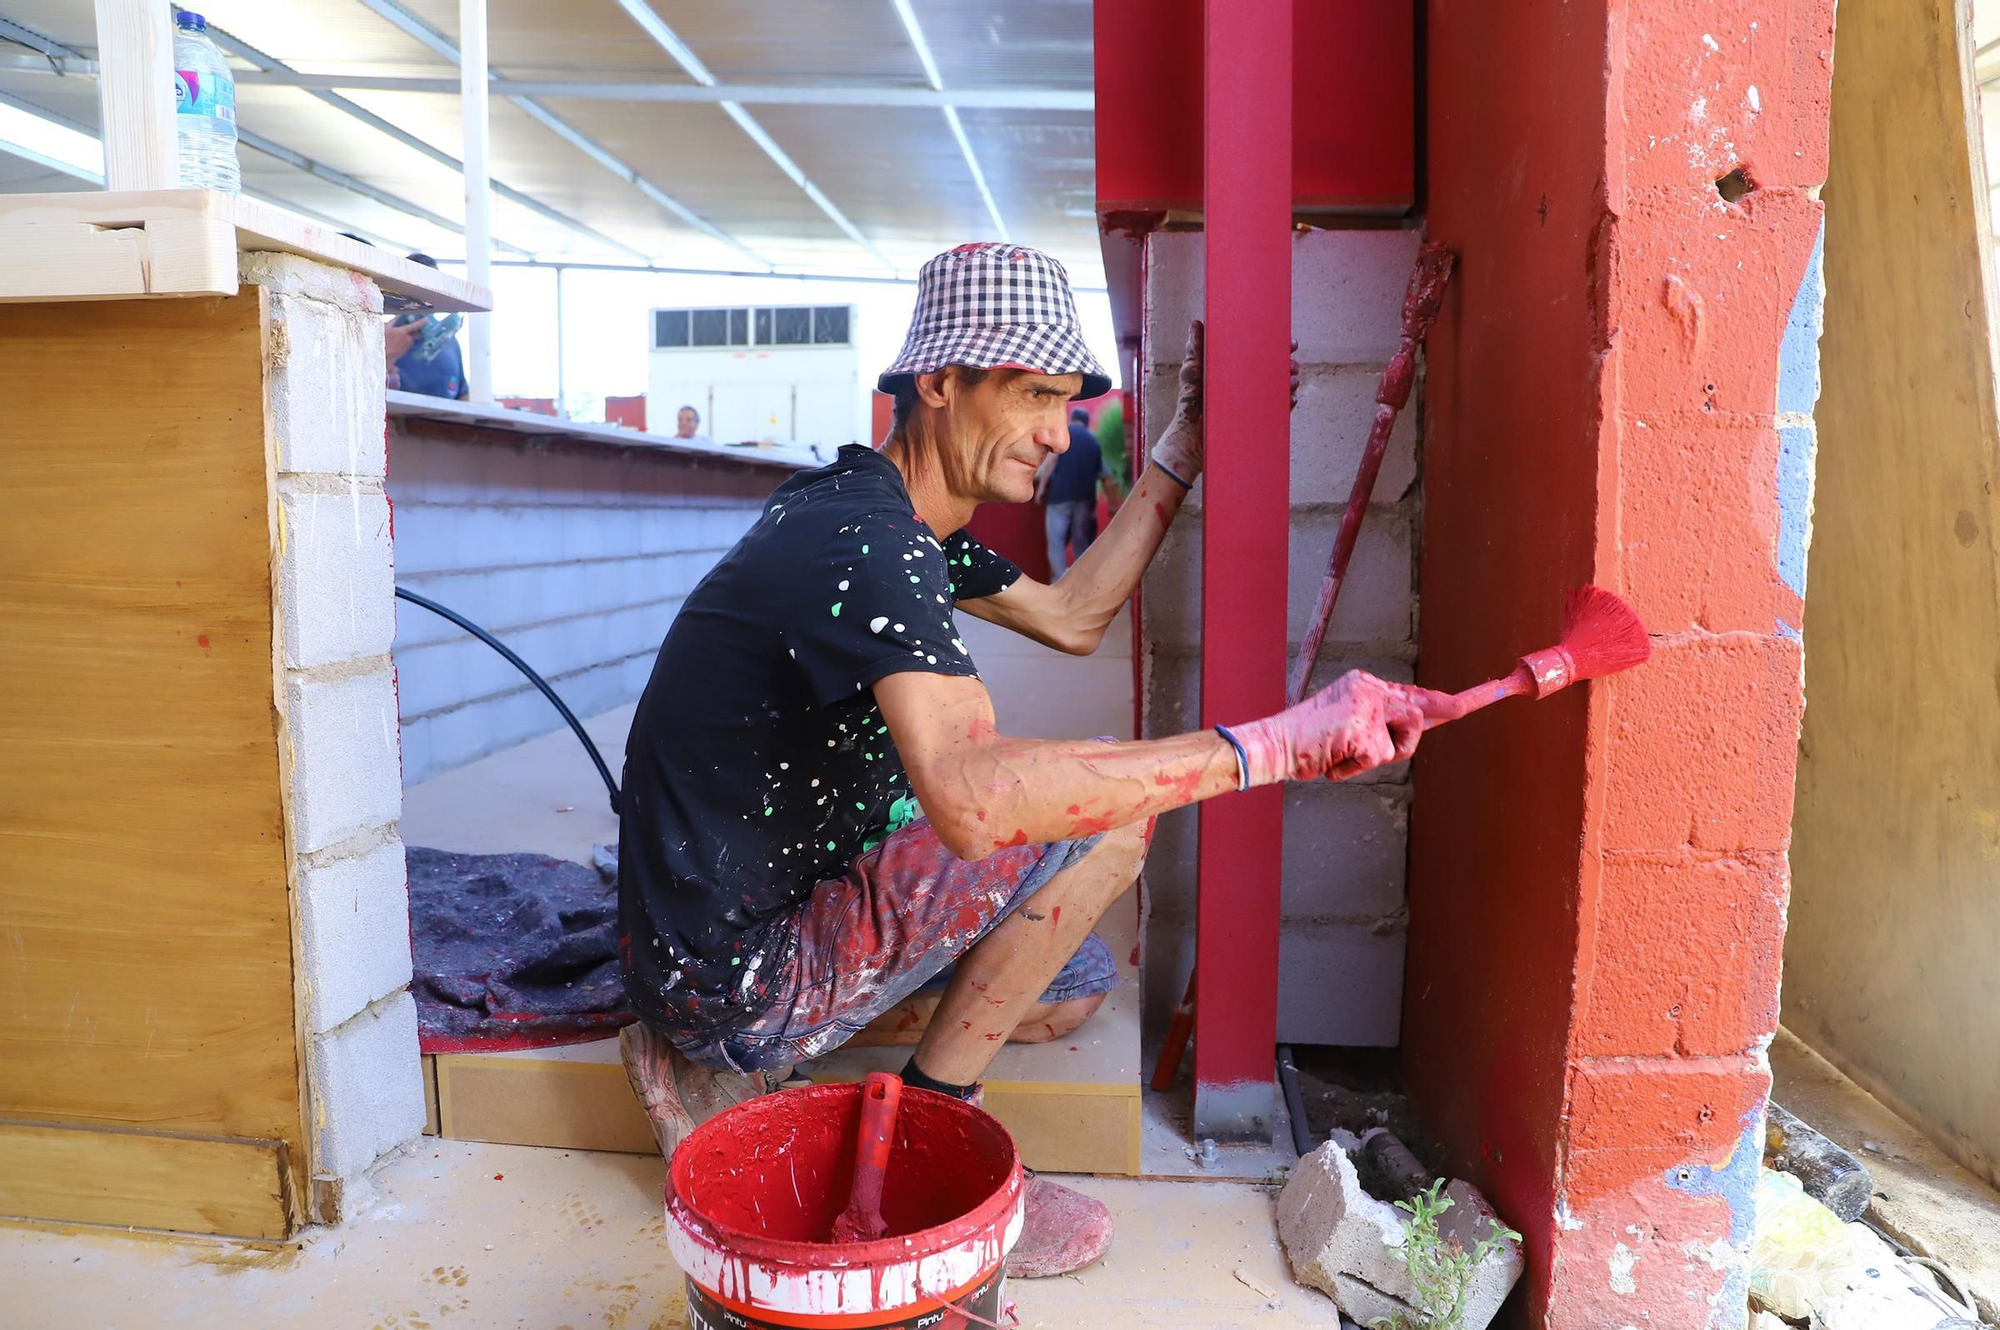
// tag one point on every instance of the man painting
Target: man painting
(820, 815)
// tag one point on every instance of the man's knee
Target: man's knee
(1124, 848)
(1054, 1020)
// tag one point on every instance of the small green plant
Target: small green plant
(1439, 1268)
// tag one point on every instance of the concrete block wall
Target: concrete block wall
(1341, 949)
(343, 795)
(575, 555)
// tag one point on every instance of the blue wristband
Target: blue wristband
(1242, 758)
(1177, 480)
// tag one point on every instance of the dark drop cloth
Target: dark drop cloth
(512, 951)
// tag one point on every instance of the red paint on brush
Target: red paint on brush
(1420, 310)
(1601, 635)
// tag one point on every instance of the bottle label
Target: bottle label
(196, 93)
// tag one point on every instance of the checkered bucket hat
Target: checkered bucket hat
(996, 306)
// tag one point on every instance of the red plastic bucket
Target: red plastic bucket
(752, 1195)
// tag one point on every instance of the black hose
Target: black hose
(575, 725)
(1295, 1104)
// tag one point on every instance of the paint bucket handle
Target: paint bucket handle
(1013, 1320)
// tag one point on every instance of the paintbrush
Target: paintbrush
(1601, 635)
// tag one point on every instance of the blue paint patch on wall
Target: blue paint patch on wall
(1798, 353)
(1795, 481)
(1789, 633)
(1734, 1180)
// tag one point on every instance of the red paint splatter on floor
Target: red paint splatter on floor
(202, 642)
(498, 1176)
(1072, 1048)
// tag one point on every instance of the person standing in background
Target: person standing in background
(423, 351)
(1069, 491)
(687, 425)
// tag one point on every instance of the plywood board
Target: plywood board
(576, 1098)
(144, 910)
(1895, 909)
(190, 1184)
(257, 226)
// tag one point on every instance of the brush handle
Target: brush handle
(881, 1095)
(1521, 683)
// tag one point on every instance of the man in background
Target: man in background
(687, 425)
(1068, 488)
(423, 351)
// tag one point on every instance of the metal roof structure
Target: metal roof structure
(855, 137)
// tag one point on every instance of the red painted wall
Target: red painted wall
(1597, 882)
(1353, 105)
(627, 411)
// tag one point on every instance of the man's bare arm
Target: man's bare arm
(983, 790)
(1073, 614)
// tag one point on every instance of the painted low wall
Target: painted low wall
(1341, 941)
(575, 554)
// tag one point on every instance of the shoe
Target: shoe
(1061, 1230)
(678, 1094)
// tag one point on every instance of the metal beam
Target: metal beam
(478, 196)
(936, 80)
(748, 94)
(53, 51)
(245, 51)
(96, 177)
(656, 28)
(1247, 247)
(438, 42)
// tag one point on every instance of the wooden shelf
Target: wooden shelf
(110, 245)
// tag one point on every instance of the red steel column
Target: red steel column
(1247, 247)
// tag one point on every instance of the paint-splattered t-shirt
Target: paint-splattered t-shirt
(758, 764)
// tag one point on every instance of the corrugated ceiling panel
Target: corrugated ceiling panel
(535, 39)
(1020, 43)
(71, 22)
(786, 41)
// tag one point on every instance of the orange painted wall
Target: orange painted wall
(1597, 881)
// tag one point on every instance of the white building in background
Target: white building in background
(759, 374)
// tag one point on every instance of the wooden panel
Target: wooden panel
(1895, 910)
(190, 1184)
(577, 1098)
(144, 911)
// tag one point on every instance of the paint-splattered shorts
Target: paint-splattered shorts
(890, 929)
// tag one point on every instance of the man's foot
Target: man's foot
(1062, 1230)
(678, 1094)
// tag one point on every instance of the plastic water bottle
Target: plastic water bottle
(204, 108)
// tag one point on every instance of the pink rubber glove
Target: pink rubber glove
(1355, 723)
(1179, 448)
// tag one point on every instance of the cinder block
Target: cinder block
(336, 577)
(1688, 1120)
(327, 408)
(354, 917)
(1699, 515)
(367, 1088)
(1701, 300)
(1347, 1244)
(1667, 927)
(1346, 852)
(1330, 429)
(1347, 294)
(1704, 747)
(345, 774)
(1705, 94)
(293, 275)
(1377, 603)
(1340, 984)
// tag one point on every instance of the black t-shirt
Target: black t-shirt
(758, 764)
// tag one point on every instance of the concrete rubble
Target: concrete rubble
(1349, 1244)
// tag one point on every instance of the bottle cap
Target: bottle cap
(189, 21)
